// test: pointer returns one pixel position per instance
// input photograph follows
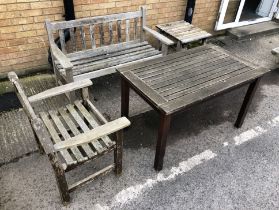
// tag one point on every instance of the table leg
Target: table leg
(125, 89)
(161, 141)
(247, 102)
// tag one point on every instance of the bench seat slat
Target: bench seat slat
(111, 62)
(96, 58)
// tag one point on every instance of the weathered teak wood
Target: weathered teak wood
(183, 33)
(94, 134)
(275, 51)
(174, 82)
(60, 90)
(74, 134)
(70, 64)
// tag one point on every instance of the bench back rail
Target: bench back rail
(94, 32)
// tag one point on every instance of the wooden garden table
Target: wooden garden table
(174, 82)
(183, 33)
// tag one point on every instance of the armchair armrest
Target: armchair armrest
(94, 134)
(159, 36)
(60, 57)
(60, 90)
(275, 51)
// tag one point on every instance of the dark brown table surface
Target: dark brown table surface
(176, 81)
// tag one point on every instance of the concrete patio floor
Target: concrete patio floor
(208, 164)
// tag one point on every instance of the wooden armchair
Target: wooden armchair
(74, 134)
(99, 44)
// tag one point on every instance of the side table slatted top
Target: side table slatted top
(183, 31)
(178, 80)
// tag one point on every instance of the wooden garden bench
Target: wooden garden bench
(74, 134)
(100, 44)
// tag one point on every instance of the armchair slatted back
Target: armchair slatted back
(93, 32)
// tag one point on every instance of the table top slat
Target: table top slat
(175, 80)
(183, 31)
(213, 90)
(179, 70)
(162, 60)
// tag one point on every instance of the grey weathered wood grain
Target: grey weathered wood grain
(158, 36)
(102, 35)
(92, 122)
(136, 28)
(110, 70)
(99, 148)
(92, 177)
(66, 71)
(60, 90)
(92, 36)
(55, 137)
(66, 136)
(82, 37)
(73, 39)
(110, 33)
(104, 50)
(62, 41)
(119, 31)
(94, 20)
(89, 152)
(127, 30)
(94, 134)
(22, 96)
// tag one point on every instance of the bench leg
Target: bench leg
(124, 98)
(118, 152)
(60, 179)
(247, 102)
(161, 141)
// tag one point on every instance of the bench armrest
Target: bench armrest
(159, 36)
(63, 60)
(275, 51)
(96, 133)
(60, 90)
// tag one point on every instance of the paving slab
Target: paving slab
(246, 32)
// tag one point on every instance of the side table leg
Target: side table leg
(124, 98)
(161, 141)
(247, 102)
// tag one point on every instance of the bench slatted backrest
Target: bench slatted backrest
(93, 32)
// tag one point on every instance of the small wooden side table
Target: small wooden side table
(183, 33)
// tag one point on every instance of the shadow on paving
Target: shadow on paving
(18, 139)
